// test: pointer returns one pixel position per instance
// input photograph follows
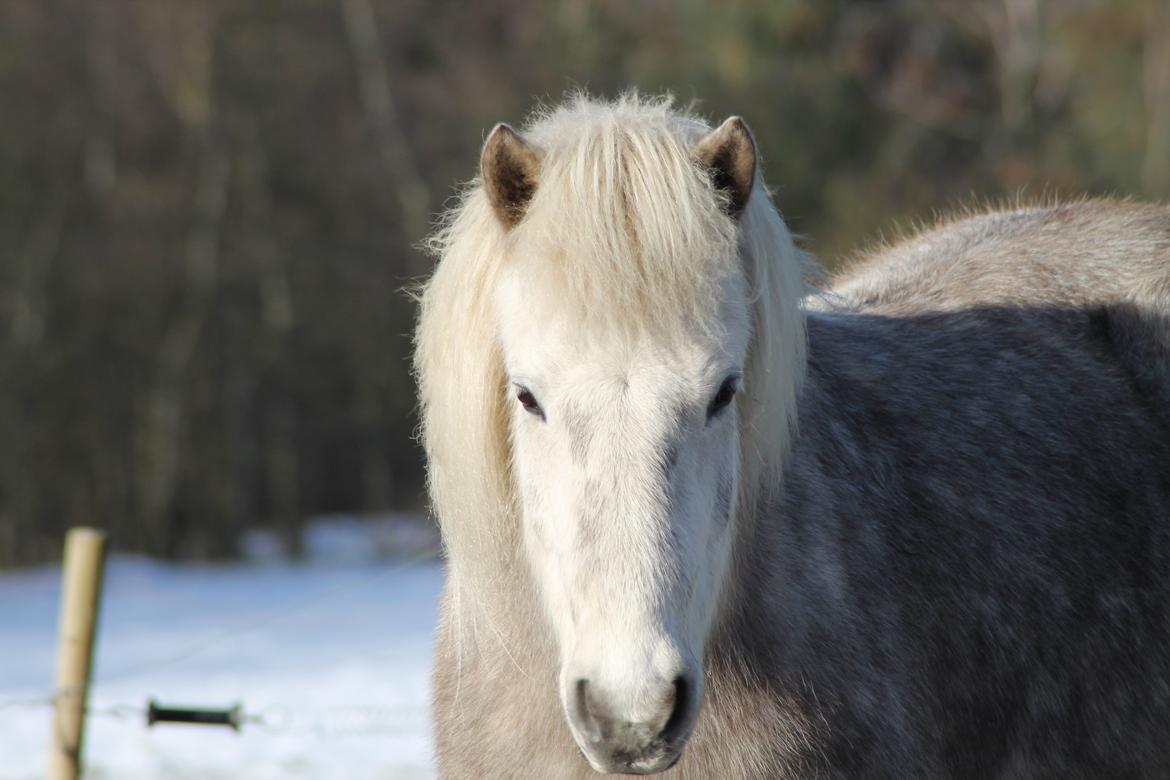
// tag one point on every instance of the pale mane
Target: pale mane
(627, 229)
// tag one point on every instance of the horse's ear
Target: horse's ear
(509, 166)
(729, 153)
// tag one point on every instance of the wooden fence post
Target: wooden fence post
(81, 587)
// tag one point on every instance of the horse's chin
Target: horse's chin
(652, 762)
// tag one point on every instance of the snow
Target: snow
(334, 656)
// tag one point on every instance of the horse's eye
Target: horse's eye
(723, 397)
(528, 401)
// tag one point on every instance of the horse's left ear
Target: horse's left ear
(729, 153)
(509, 166)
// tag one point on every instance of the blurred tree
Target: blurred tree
(208, 210)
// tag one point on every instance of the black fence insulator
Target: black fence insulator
(157, 713)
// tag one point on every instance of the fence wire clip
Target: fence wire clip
(232, 717)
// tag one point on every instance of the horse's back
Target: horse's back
(1093, 251)
(1110, 259)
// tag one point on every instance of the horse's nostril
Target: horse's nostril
(583, 711)
(676, 723)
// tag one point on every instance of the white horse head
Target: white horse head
(617, 307)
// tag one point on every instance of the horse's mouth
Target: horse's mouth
(658, 758)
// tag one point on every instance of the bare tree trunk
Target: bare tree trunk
(162, 432)
(1156, 83)
(279, 449)
(377, 473)
(27, 298)
(1016, 35)
(181, 42)
(101, 57)
(413, 198)
(282, 467)
(410, 188)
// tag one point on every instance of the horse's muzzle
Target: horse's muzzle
(614, 742)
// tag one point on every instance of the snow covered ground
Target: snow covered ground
(333, 655)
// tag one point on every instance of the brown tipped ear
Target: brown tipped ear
(509, 166)
(729, 153)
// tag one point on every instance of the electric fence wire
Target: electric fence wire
(277, 719)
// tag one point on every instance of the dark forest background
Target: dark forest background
(208, 208)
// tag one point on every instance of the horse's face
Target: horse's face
(625, 454)
(625, 446)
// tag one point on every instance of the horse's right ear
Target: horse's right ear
(728, 154)
(509, 166)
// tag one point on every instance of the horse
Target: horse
(707, 514)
